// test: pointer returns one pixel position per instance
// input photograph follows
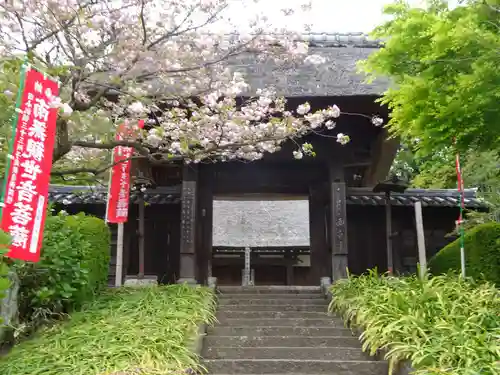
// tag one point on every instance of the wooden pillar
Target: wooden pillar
(208, 233)
(187, 272)
(205, 220)
(338, 222)
(317, 234)
(388, 233)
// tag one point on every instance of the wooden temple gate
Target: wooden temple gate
(343, 230)
(324, 179)
(346, 230)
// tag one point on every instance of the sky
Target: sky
(329, 16)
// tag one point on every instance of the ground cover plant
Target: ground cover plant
(444, 325)
(145, 331)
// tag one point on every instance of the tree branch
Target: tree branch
(233, 52)
(173, 32)
(94, 171)
(110, 145)
(143, 24)
(63, 26)
(63, 145)
(23, 32)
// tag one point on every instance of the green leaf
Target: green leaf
(4, 283)
(444, 62)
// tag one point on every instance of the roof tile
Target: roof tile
(356, 196)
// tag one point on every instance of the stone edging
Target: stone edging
(404, 368)
(197, 344)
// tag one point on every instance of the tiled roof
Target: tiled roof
(354, 39)
(266, 223)
(315, 39)
(97, 195)
(356, 196)
(429, 198)
(338, 76)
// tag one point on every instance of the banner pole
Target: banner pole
(461, 202)
(119, 255)
(15, 118)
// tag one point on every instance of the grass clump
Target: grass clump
(444, 325)
(145, 331)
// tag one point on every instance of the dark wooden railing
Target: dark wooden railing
(269, 256)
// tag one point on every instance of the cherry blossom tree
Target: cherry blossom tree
(121, 61)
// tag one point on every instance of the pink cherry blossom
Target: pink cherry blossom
(133, 59)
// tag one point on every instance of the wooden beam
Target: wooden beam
(142, 237)
(286, 178)
(383, 153)
(317, 229)
(338, 222)
(388, 234)
(260, 197)
(205, 223)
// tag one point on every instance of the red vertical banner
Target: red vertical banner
(119, 184)
(460, 186)
(27, 186)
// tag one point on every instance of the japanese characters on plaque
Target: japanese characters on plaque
(340, 227)
(30, 162)
(119, 187)
(188, 215)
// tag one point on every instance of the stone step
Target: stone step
(224, 301)
(261, 331)
(272, 296)
(283, 341)
(294, 366)
(284, 322)
(323, 354)
(272, 289)
(264, 308)
(232, 314)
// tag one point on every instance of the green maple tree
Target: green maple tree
(444, 63)
(480, 170)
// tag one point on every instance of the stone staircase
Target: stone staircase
(282, 330)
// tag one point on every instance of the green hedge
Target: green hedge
(482, 254)
(73, 268)
(4, 272)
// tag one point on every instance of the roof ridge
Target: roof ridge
(471, 192)
(351, 33)
(341, 40)
(321, 39)
(362, 196)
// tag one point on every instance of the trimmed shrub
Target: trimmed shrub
(95, 256)
(482, 254)
(4, 272)
(72, 269)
